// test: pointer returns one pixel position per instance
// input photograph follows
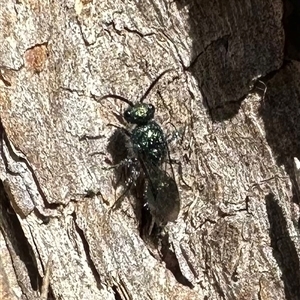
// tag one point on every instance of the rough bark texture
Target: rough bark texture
(237, 233)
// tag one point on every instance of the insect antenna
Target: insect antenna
(153, 84)
(130, 103)
(117, 97)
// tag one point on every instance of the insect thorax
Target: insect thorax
(149, 143)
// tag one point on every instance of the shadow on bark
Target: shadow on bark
(280, 113)
(12, 230)
(284, 250)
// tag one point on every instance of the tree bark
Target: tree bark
(237, 234)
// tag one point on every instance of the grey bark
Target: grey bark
(237, 234)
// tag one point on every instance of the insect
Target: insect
(150, 154)
(163, 196)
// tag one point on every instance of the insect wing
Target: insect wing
(162, 192)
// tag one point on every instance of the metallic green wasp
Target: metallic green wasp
(150, 155)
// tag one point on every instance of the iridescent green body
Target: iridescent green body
(148, 140)
(149, 143)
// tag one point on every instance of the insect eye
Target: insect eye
(128, 116)
(151, 110)
(126, 113)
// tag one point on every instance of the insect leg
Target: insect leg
(179, 163)
(131, 165)
(117, 203)
(176, 134)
